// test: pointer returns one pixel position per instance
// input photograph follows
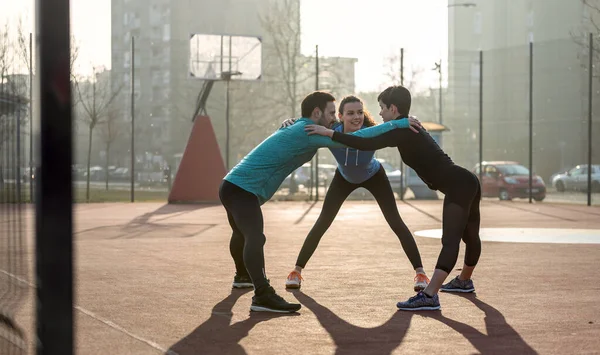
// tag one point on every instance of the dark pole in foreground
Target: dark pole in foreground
(54, 213)
(590, 88)
(401, 161)
(132, 118)
(480, 116)
(317, 155)
(530, 120)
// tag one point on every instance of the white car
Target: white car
(577, 179)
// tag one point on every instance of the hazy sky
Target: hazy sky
(370, 33)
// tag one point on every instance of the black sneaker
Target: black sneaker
(420, 302)
(242, 281)
(270, 301)
(458, 285)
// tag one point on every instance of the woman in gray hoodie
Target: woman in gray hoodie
(357, 169)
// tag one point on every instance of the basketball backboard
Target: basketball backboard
(216, 57)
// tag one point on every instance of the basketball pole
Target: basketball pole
(481, 117)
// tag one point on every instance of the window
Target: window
(156, 78)
(155, 16)
(127, 60)
(491, 171)
(477, 23)
(475, 68)
(166, 32)
(510, 169)
(530, 19)
(576, 171)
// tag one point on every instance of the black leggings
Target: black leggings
(339, 190)
(247, 240)
(460, 218)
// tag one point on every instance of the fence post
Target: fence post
(402, 161)
(132, 119)
(317, 154)
(30, 173)
(590, 88)
(480, 116)
(530, 120)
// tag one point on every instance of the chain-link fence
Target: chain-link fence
(480, 112)
(531, 120)
(491, 125)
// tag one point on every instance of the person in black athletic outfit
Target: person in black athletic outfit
(462, 190)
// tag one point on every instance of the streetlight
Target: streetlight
(438, 68)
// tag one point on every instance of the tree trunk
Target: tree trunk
(89, 158)
(107, 162)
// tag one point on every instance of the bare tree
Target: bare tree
(95, 99)
(110, 130)
(281, 22)
(13, 103)
(24, 53)
(393, 73)
(591, 24)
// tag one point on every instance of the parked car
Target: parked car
(302, 175)
(412, 181)
(508, 179)
(577, 179)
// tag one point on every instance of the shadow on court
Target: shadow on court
(350, 339)
(153, 224)
(169, 211)
(217, 335)
(501, 337)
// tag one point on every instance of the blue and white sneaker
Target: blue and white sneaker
(420, 302)
(458, 285)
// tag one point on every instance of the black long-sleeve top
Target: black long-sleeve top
(418, 150)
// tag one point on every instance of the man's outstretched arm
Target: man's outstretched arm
(389, 139)
(375, 137)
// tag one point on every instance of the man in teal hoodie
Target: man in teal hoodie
(256, 178)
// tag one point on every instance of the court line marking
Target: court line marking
(107, 322)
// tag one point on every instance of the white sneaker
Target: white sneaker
(293, 280)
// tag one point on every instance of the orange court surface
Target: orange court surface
(153, 278)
